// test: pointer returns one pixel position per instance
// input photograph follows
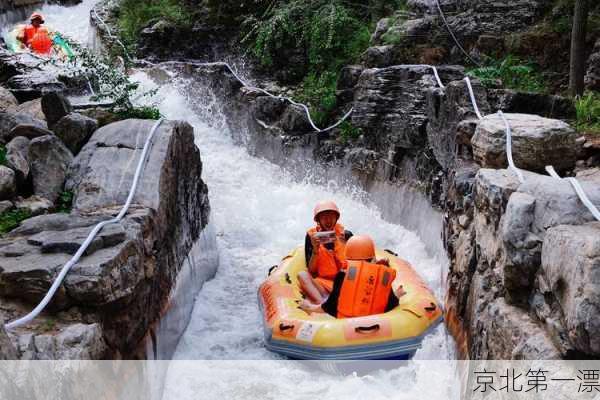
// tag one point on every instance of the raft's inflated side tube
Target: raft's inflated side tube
(396, 334)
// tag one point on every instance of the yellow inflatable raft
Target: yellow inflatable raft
(396, 334)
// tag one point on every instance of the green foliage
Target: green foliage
(328, 31)
(349, 132)
(588, 113)
(110, 83)
(65, 202)
(510, 73)
(134, 15)
(9, 220)
(145, 112)
(318, 92)
(2, 155)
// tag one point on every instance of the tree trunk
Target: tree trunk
(577, 70)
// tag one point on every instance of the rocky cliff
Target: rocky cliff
(507, 295)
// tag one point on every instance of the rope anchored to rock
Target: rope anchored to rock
(65, 269)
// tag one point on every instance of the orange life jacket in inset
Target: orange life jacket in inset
(41, 42)
(365, 290)
(327, 267)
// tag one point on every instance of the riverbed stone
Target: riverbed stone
(8, 121)
(17, 158)
(55, 106)
(8, 185)
(75, 130)
(7, 99)
(537, 142)
(571, 269)
(32, 108)
(50, 160)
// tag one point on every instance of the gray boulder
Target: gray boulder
(571, 270)
(8, 186)
(537, 142)
(32, 108)
(8, 121)
(7, 99)
(7, 350)
(17, 157)
(55, 106)
(75, 130)
(49, 160)
(28, 131)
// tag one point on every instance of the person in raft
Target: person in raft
(35, 36)
(365, 288)
(324, 249)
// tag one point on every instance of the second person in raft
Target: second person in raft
(324, 249)
(365, 288)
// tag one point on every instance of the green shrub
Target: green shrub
(2, 155)
(510, 73)
(9, 220)
(588, 113)
(318, 92)
(65, 202)
(145, 112)
(349, 132)
(134, 15)
(327, 31)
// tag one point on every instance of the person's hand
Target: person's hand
(400, 291)
(383, 261)
(307, 306)
(314, 240)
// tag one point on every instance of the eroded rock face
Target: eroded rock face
(592, 77)
(390, 104)
(446, 110)
(119, 288)
(537, 142)
(50, 160)
(571, 270)
(505, 271)
(7, 350)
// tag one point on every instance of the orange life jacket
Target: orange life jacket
(327, 267)
(28, 33)
(365, 290)
(41, 42)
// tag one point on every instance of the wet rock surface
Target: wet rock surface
(118, 289)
